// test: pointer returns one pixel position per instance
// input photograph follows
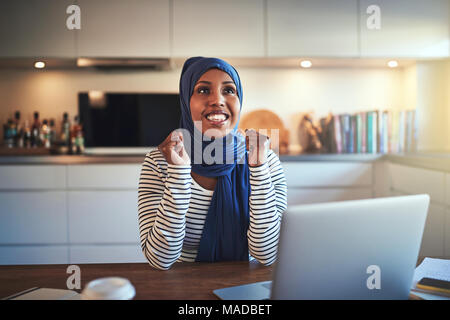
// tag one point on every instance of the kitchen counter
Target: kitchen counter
(80, 159)
(433, 161)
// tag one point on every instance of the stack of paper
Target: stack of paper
(431, 268)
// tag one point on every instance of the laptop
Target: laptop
(360, 249)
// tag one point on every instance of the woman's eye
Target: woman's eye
(229, 90)
(202, 90)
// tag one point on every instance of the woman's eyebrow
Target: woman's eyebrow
(209, 82)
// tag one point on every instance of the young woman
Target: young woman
(194, 203)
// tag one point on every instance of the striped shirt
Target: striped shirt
(172, 209)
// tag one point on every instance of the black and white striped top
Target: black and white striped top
(172, 209)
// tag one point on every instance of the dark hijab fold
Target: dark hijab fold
(224, 236)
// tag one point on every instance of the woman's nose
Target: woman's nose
(216, 98)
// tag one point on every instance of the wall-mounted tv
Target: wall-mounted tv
(127, 119)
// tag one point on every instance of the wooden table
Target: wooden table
(184, 281)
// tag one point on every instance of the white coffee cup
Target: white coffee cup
(111, 288)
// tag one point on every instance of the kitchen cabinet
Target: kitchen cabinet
(87, 213)
(317, 195)
(117, 28)
(312, 28)
(433, 234)
(31, 177)
(314, 182)
(103, 217)
(35, 28)
(103, 176)
(33, 217)
(328, 174)
(233, 28)
(433, 244)
(61, 213)
(106, 254)
(36, 254)
(409, 28)
(413, 180)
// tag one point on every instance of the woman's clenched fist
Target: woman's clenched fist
(258, 146)
(173, 149)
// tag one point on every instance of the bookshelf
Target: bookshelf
(377, 131)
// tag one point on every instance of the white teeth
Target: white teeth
(216, 117)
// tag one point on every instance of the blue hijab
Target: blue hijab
(224, 236)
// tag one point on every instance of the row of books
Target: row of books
(370, 132)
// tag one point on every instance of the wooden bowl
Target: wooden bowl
(265, 121)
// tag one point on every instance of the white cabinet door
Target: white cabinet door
(409, 28)
(412, 180)
(103, 217)
(103, 176)
(312, 28)
(306, 195)
(433, 234)
(33, 217)
(35, 28)
(118, 28)
(24, 177)
(327, 174)
(16, 255)
(217, 28)
(106, 254)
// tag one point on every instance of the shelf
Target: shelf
(5, 151)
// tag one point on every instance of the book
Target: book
(338, 133)
(375, 143)
(352, 135)
(370, 132)
(345, 132)
(431, 268)
(363, 132)
(358, 119)
(380, 131)
(37, 293)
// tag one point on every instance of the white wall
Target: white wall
(433, 105)
(286, 91)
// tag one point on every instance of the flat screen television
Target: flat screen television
(127, 121)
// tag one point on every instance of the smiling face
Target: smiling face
(215, 103)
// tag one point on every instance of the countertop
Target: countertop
(426, 160)
(130, 159)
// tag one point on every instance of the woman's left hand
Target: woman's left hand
(258, 146)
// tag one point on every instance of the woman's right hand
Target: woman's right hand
(173, 149)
